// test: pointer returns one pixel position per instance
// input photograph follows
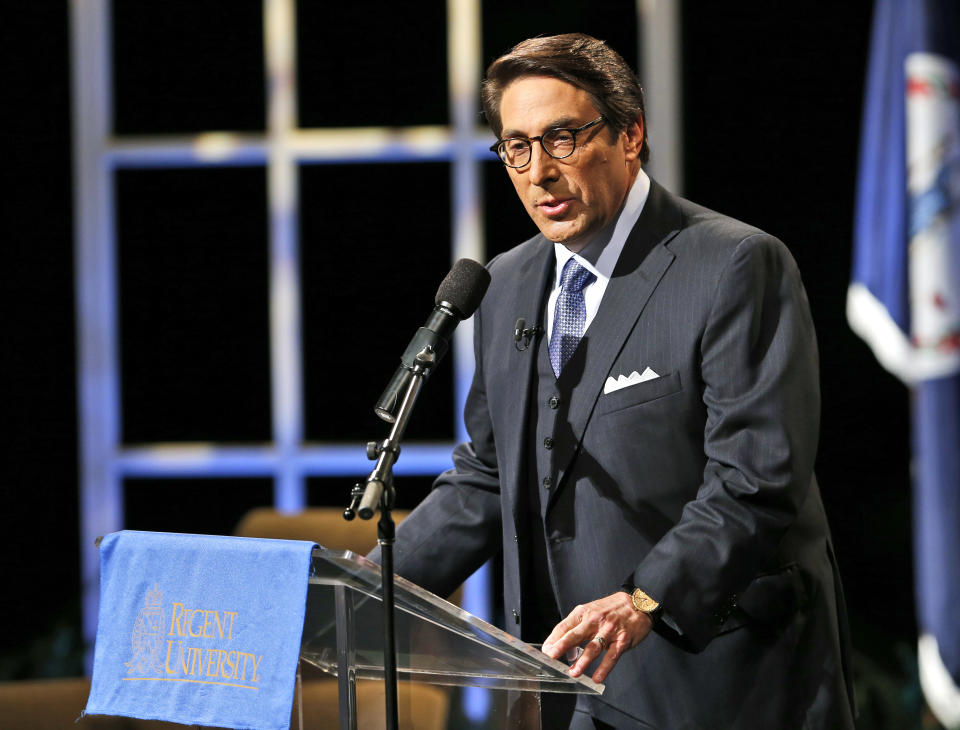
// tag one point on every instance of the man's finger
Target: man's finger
(575, 637)
(610, 659)
(591, 651)
(570, 632)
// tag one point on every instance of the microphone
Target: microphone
(457, 299)
(520, 330)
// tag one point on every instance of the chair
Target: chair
(54, 704)
(324, 525)
(421, 706)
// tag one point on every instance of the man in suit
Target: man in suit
(643, 457)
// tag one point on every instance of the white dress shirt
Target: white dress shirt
(600, 255)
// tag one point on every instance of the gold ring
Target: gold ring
(601, 641)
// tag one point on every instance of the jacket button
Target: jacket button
(548, 443)
(516, 616)
(547, 482)
(554, 401)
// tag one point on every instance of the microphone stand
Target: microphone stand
(379, 491)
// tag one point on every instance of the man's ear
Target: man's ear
(633, 139)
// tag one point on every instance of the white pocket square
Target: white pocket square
(625, 381)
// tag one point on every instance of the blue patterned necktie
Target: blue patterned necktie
(569, 315)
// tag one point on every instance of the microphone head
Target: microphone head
(464, 287)
(518, 329)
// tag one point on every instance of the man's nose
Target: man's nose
(543, 167)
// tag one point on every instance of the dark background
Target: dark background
(772, 98)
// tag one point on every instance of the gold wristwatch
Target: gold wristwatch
(645, 604)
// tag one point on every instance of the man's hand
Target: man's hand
(613, 618)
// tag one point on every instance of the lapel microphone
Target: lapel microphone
(522, 332)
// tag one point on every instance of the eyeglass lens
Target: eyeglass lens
(558, 143)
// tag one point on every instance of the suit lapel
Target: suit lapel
(644, 260)
(531, 280)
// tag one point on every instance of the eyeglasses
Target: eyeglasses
(558, 143)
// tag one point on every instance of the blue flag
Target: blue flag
(904, 299)
(198, 629)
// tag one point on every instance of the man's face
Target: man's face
(573, 198)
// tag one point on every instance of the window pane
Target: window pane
(375, 244)
(505, 219)
(335, 491)
(613, 21)
(188, 65)
(360, 64)
(193, 505)
(193, 305)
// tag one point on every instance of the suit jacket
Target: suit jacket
(697, 486)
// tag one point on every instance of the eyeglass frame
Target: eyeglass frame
(495, 147)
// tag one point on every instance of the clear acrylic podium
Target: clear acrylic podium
(437, 643)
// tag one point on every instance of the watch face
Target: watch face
(643, 602)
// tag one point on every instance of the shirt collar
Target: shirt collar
(601, 254)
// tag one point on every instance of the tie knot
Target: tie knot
(574, 276)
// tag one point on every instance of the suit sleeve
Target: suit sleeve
(761, 395)
(458, 526)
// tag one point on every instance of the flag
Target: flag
(904, 297)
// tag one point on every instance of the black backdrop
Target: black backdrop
(772, 97)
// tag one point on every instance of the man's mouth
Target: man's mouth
(553, 207)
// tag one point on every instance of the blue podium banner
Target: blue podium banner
(199, 629)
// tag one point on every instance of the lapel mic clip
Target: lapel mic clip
(522, 332)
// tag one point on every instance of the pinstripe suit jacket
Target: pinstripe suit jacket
(697, 486)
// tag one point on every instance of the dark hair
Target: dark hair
(579, 60)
